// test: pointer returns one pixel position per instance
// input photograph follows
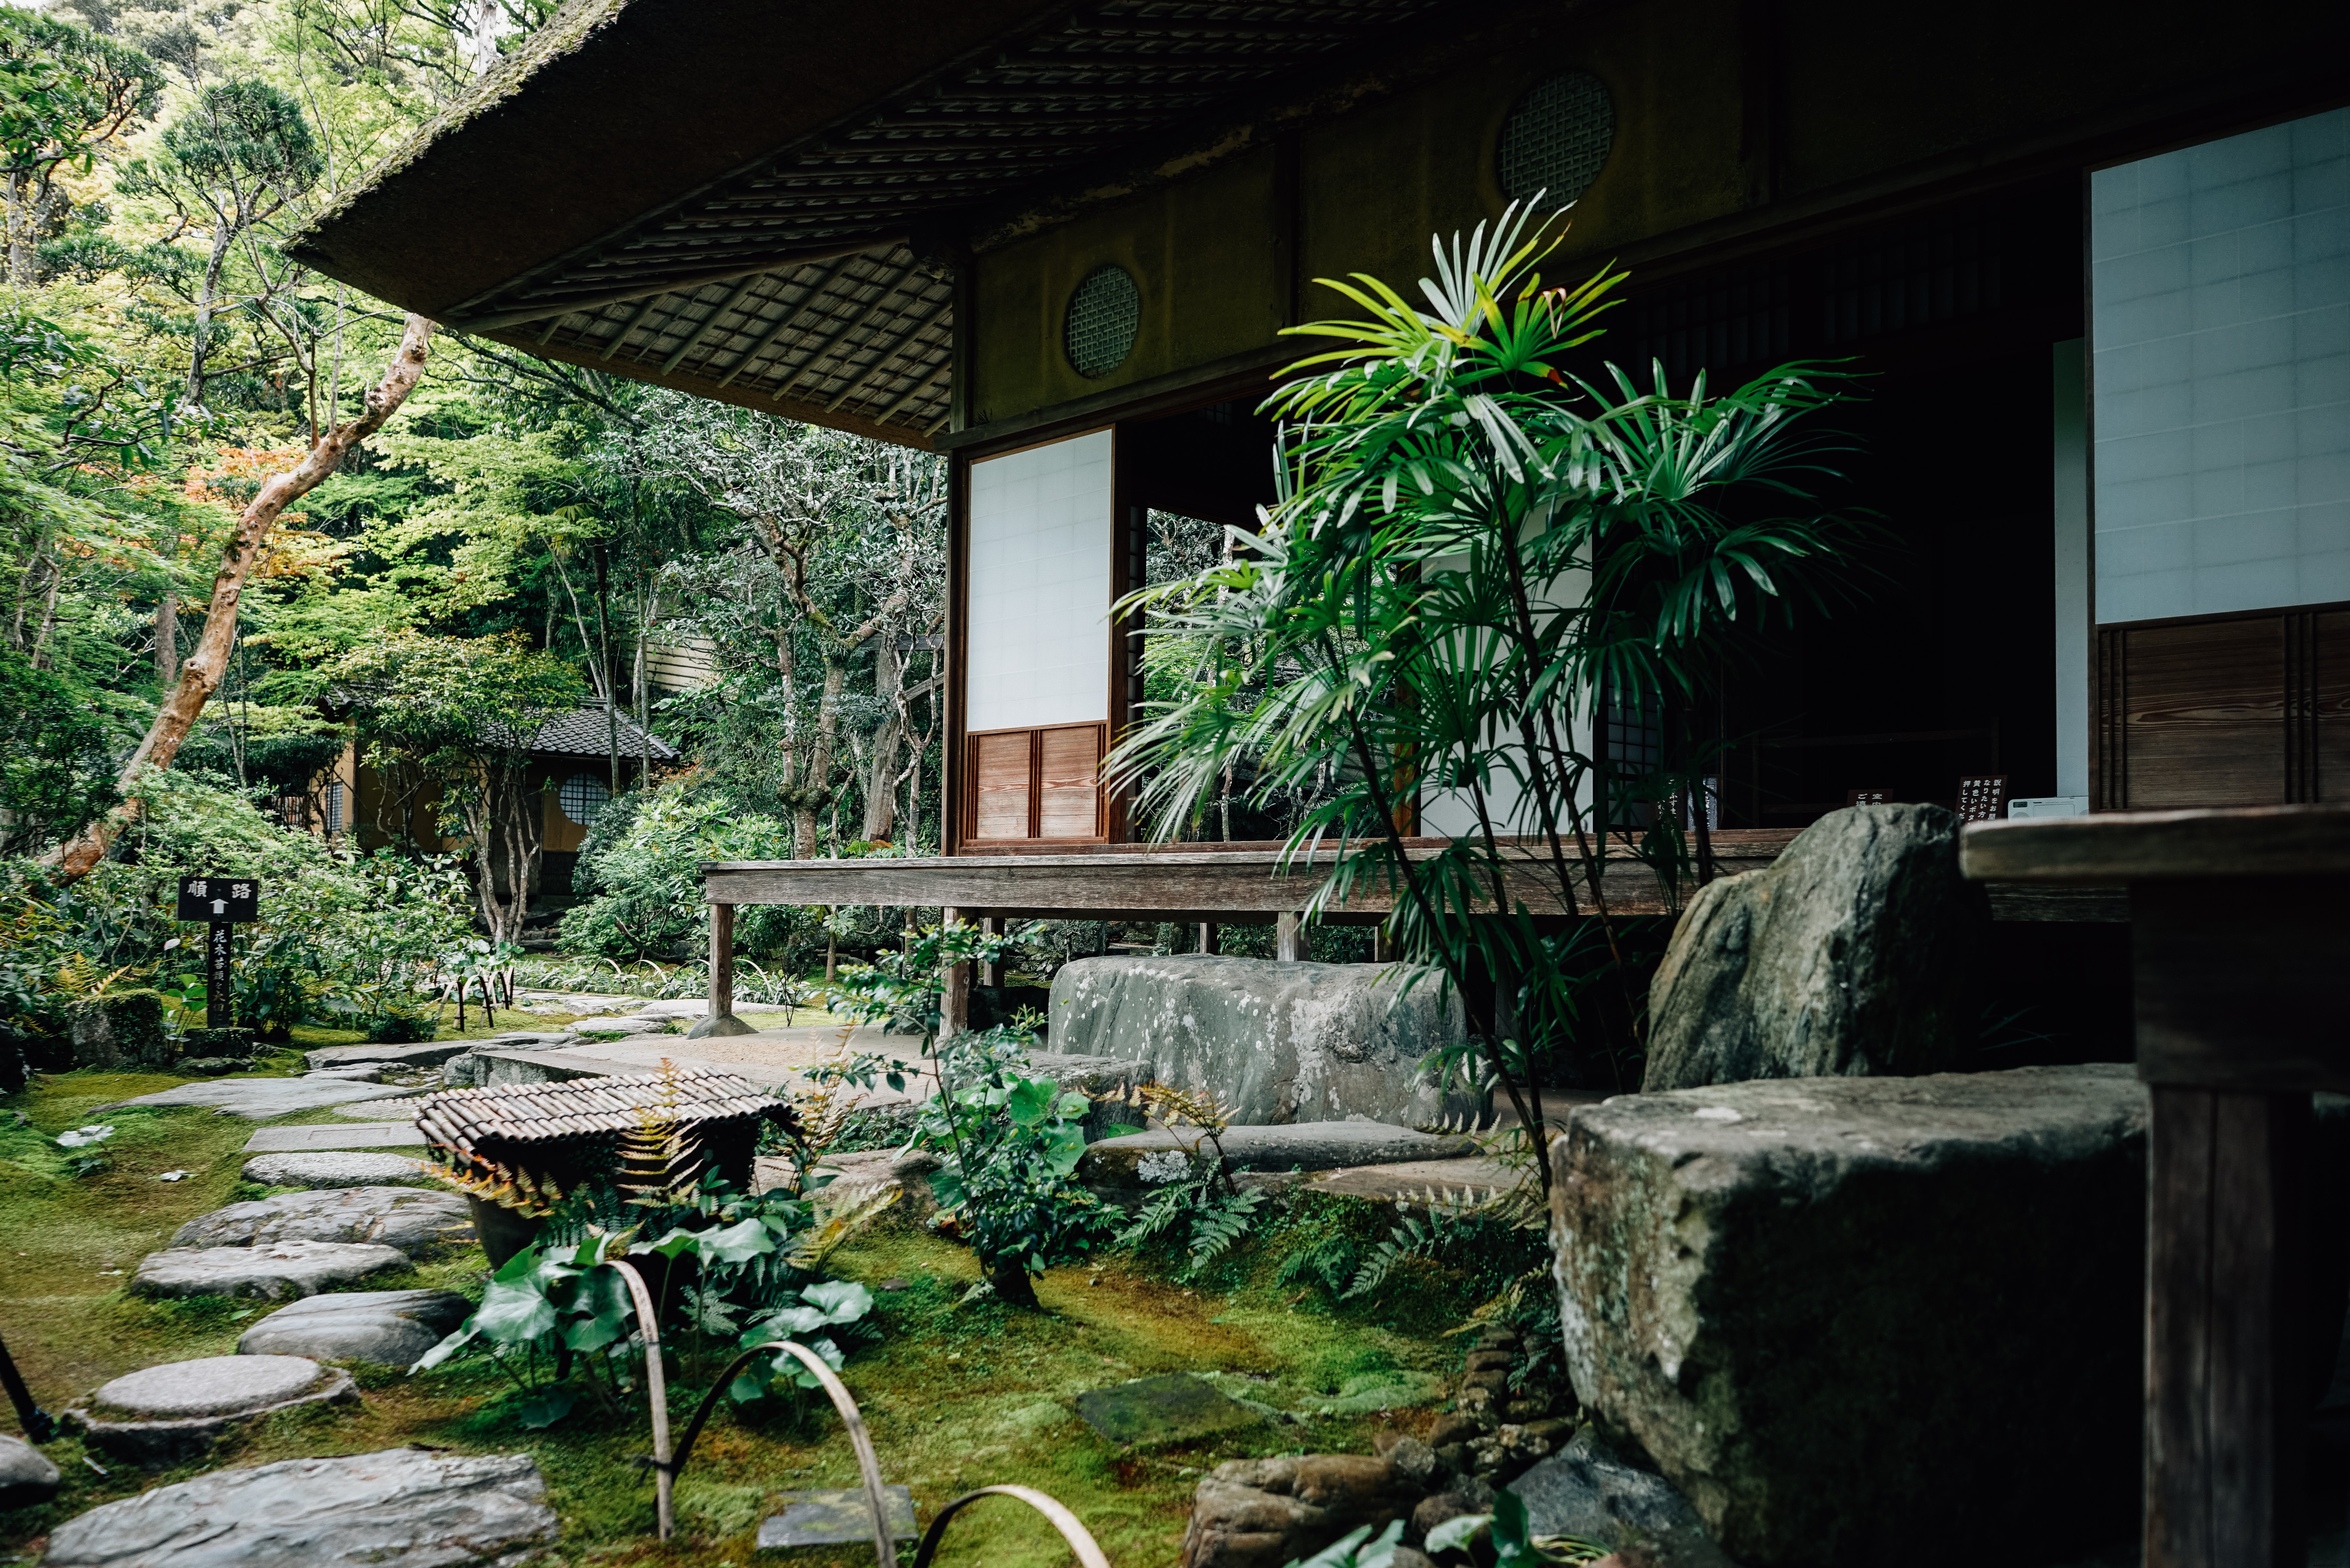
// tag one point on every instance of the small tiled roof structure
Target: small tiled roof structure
(476, 1121)
(588, 733)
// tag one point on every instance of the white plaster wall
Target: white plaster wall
(1037, 651)
(2219, 279)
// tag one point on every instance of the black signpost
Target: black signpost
(221, 902)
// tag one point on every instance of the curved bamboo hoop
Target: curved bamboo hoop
(1081, 1541)
(656, 1387)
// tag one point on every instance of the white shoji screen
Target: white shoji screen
(1037, 648)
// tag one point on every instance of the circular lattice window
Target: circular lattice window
(582, 796)
(1103, 313)
(1556, 140)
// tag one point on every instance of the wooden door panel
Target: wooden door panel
(2330, 704)
(1000, 777)
(1069, 783)
(2212, 763)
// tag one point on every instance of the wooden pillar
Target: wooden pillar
(1289, 938)
(1383, 946)
(990, 974)
(2227, 1394)
(721, 1019)
(954, 1007)
(1207, 936)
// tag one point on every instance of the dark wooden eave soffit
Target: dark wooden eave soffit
(763, 203)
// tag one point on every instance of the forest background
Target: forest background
(523, 538)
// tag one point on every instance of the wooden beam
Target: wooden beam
(898, 343)
(889, 286)
(693, 338)
(2137, 845)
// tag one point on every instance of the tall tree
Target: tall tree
(201, 671)
(65, 93)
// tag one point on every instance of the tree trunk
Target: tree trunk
(167, 639)
(817, 779)
(201, 671)
(1012, 1285)
(206, 298)
(881, 779)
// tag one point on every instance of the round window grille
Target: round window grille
(582, 796)
(1556, 140)
(1104, 312)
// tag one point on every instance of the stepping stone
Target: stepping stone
(375, 1110)
(674, 1007)
(359, 1135)
(1171, 1408)
(1148, 1159)
(334, 1169)
(258, 1099)
(403, 1507)
(414, 1221)
(550, 1039)
(178, 1410)
(28, 1478)
(358, 1072)
(391, 1327)
(424, 1053)
(276, 1272)
(840, 1518)
(1421, 1183)
(629, 1025)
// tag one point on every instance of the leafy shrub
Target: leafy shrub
(643, 866)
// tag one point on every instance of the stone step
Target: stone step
(415, 1221)
(278, 1270)
(391, 1328)
(354, 1135)
(424, 1053)
(337, 1170)
(258, 1099)
(835, 1518)
(402, 1505)
(177, 1411)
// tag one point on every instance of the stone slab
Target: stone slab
(837, 1517)
(403, 1507)
(380, 1110)
(392, 1328)
(1448, 1183)
(1169, 1409)
(1815, 1303)
(276, 1272)
(423, 1053)
(258, 1099)
(212, 1385)
(28, 1478)
(1147, 1158)
(1278, 1043)
(357, 1134)
(337, 1170)
(415, 1221)
(358, 1072)
(628, 1024)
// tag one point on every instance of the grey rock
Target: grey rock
(403, 1507)
(1586, 1491)
(276, 1271)
(213, 1385)
(423, 1053)
(620, 1025)
(547, 1038)
(1851, 955)
(1171, 1408)
(1149, 1158)
(403, 1217)
(1816, 1302)
(1278, 1041)
(258, 1099)
(28, 1478)
(336, 1135)
(209, 1066)
(837, 1518)
(671, 1007)
(1263, 1514)
(337, 1169)
(177, 1411)
(462, 1071)
(363, 1073)
(389, 1327)
(1108, 1081)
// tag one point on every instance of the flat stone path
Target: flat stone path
(358, 1135)
(835, 1518)
(337, 1169)
(1442, 1182)
(1171, 1408)
(276, 1272)
(258, 1099)
(215, 1385)
(388, 1327)
(412, 1220)
(403, 1507)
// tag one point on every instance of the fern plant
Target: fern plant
(1205, 1211)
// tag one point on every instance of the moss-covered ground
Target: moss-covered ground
(957, 1395)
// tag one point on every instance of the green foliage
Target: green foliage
(1202, 1213)
(57, 762)
(645, 878)
(1506, 1537)
(1472, 547)
(64, 92)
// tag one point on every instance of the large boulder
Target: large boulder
(1263, 1514)
(28, 1478)
(1860, 1321)
(1852, 955)
(406, 1508)
(1276, 1042)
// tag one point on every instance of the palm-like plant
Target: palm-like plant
(1471, 544)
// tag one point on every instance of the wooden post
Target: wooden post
(2227, 1388)
(1383, 946)
(1207, 936)
(1289, 938)
(954, 1007)
(721, 1019)
(990, 974)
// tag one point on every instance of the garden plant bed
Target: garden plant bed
(957, 1393)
